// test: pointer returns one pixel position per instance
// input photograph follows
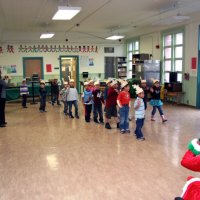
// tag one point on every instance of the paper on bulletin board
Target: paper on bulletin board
(48, 67)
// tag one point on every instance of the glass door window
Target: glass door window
(68, 68)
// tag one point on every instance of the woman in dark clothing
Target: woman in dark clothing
(2, 101)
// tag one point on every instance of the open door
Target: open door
(69, 69)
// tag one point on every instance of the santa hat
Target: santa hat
(191, 190)
(191, 159)
(138, 89)
(194, 146)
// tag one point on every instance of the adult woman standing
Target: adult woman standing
(2, 101)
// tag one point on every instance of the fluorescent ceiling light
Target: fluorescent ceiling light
(46, 35)
(66, 13)
(115, 37)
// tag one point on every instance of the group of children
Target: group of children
(116, 99)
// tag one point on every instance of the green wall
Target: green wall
(190, 89)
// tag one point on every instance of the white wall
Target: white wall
(16, 58)
(148, 44)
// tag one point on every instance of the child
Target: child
(111, 103)
(43, 94)
(55, 92)
(24, 93)
(98, 100)
(91, 85)
(155, 101)
(87, 101)
(72, 99)
(139, 113)
(63, 94)
(123, 101)
(143, 85)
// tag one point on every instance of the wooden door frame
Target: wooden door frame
(77, 68)
(33, 58)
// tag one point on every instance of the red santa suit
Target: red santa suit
(191, 160)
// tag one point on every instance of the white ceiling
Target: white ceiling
(24, 20)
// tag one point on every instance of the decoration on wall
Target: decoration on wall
(194, 63)
(91, 61)
(9, 49)
(48, 67)
(8, 69)
(13, 69)
(57, 48)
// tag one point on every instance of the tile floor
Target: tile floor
(46, 156)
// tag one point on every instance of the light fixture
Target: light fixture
(66, 12)
(46, 35)
(181, 17)
(115, 37)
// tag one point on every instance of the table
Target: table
(12, 93)
(174, 96)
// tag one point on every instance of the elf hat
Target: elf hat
(42, 82)
(97, 83)
(109, 80)
(142, 80)
(71, 80)
(86, 83)
(114, 82)
(155, 81)
(138, 89)
(124, 84)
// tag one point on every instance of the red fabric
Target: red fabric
(192, 192)
(190, 161)
(124, 97)
(112, 97)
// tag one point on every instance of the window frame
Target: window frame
(173, 47)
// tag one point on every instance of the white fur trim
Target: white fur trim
(195, 144)
(188, 183)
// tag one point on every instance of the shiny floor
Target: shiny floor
(46, 156)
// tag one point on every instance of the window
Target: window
(132, 48)
(173, 47)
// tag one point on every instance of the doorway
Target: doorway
(33, 66)
(69, 69)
